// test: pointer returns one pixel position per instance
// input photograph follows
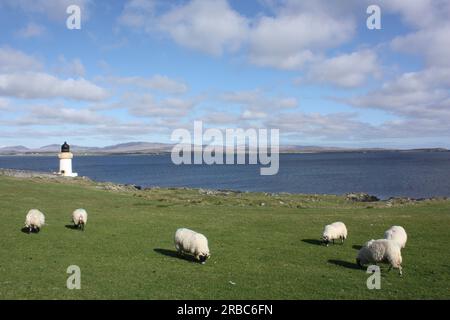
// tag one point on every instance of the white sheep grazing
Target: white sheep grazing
(188, 241)
(381, 250)
(34, 220)
(79, 218)
(336, 230)
(397, 233)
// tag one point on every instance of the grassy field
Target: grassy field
(263, 246)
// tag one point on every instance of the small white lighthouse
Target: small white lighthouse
(65, 161)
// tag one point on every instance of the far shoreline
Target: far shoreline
(87, 154)
(356, 196)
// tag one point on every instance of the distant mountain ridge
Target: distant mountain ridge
(154, 148)
(130, 147)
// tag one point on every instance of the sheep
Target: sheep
(79, 218)
(34, 220)
(336, 230)
(397, 233)
(381, 250)
(189, 241)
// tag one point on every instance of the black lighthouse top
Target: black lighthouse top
(65, 147)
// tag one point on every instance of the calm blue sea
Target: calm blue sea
(384, 174)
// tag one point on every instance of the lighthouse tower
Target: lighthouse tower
(65, 161)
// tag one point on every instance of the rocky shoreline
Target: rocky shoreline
(351, 197)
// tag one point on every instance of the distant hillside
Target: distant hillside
(123, 148)
(140, 147)
(13, 149)
(154, 148)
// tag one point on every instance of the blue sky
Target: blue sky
(138, 69)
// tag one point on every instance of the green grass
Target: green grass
(268, 251)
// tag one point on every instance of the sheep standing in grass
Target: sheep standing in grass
(188, 241)
(34, 220)
(79, 218)
(336, 230)
(397, 233)
(381, 250)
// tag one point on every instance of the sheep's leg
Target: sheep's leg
(333, 241)
(30, 229)
(399, 267)
(342, 240)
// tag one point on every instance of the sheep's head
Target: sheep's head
(203, 257)
(325, 239)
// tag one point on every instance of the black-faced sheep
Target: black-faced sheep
(34, 220)
(334, 231)
(189, 241)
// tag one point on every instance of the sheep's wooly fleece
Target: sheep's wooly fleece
(397, 233)
(34, 219)
(189, 241)
(381, 250)
(335, 231)
(79, 215)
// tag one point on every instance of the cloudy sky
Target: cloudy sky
(139, 69)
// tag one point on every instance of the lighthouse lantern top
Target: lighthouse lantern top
(65, 147)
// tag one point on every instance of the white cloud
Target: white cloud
(31, 30)
(346, 70)
(257, 101)
(147, 106)
(347, 128)
(21, 76)
(422, 94)
(257, 105)
(4, 104)
(32, 85)
(156, 82)
(288, 41)
(71, 68)
(209, 26)
(327, 127)
(43, 121)
(253, 115)
(221, 118)
(431, 35)
(12, 60)
(60, 115)
(212, 27)
(418, 13)
(433, 43)
(294, 35)
(137, 13)
(53, 9)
